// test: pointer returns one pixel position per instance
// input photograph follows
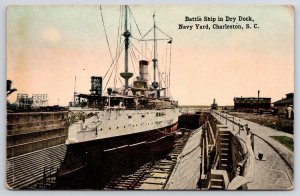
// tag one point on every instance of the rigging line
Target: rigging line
(114, 67)
(110, 76)
(150, 75)
(115, 77)
(120, 80)
(149, 78)
(164, 32)
(105, 33)
(122, 20)
(142, 48)
(118, 43)
(119, 27)
(160, 74)
(119, 40)
(136, 60)
(148, 50)
(130, 53)
(147, 33)
(135, 21)
(166, 64)
(135, 38)
(159, 39)
(130, 26)
(170, 63)
(112, 63)
(134, 56)
(119, 47)
(163, 80)
(137, 49)
(166, 69)
(118, 76)
(146, 46)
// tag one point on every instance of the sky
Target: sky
(47, 46)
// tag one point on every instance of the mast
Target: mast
(154, 84)
(126, 75)
(75, 90)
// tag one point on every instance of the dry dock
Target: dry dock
(35, 147)
(275, 169)
(212, 151)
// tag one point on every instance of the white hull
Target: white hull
(100, 124)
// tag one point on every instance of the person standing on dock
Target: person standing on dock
(289, 111)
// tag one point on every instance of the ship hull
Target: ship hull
(94, 163)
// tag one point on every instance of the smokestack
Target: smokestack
(144, 70)
(258, 94)
(96, 85)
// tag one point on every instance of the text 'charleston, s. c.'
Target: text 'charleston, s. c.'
(219, 22)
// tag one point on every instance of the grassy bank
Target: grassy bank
(286, 141)
(275, 122)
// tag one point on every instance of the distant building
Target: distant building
(39, 100)
(282, 104)
(252, 104)
(24, 101)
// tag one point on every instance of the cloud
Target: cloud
(51, 35)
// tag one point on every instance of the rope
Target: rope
(130, 53)
(148, 50)
(118, 44)
(120, 80)
(170, 63)
(147, 33)
(114, 67)
(116, 71)
(137, 49)
(112, 63)
(135, 58)
(137, 61)
(163, 79)
(164, 33)
(106, 34)
(135, 21)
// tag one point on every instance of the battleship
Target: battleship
(112, 129)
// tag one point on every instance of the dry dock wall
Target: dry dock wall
(221, 156)
(31, 131)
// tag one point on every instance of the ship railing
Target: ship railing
(114, 107)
